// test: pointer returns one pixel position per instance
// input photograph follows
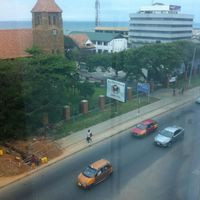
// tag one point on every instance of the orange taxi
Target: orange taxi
(95, 173)
(144, 128)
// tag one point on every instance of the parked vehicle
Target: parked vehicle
(95, 173)
(168, 136)
(198, 100)
(144, 128)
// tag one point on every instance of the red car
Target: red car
(145, 127)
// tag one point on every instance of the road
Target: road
(141, 170)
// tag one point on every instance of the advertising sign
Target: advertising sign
(172, 79)
(143, 87)
(116, 90)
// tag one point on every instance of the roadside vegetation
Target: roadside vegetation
(96, 116)
(44, 84)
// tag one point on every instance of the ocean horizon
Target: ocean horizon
(68, 26)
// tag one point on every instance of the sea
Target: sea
(68, 25)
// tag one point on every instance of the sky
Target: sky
(84, 10)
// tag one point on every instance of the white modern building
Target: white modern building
(159, 23)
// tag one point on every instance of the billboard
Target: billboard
(116, 90)
(143, 87)
(172, 79)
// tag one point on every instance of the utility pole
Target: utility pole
(191, 69)
(97, 9)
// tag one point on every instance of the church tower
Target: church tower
(47, 27)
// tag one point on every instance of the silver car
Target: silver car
(198, 100)
(168, 136)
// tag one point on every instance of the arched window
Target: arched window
(38, 19)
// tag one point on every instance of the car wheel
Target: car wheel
(169, 144)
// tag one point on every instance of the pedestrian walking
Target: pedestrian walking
(89, 136)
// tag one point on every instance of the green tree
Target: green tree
(12, 113)
(86, 89)
(99, 60)
(118, 61)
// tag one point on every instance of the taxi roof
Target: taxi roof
(148, 121)
(100, 163)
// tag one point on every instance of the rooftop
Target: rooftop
(81, 40)
(160, 8)
(106, 28)
(46, 6)
(98, 164)
(96, 36)
(13, 43)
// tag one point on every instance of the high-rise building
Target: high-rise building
(159, 23)
(47, 26)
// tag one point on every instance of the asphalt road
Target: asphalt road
(142, 171)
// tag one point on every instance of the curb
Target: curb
(82, 142)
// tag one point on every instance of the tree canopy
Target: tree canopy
(33, 86)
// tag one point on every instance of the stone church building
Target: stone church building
(46, 33)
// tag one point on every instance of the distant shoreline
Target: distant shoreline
(69, 26)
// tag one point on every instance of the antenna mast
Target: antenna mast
(97, 8)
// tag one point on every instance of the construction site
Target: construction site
(17, 157)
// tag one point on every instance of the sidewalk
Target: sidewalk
(76, 141)
(127, 120)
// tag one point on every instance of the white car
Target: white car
(168, 136)
(198, 100)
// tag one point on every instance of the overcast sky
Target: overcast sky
(83, 10)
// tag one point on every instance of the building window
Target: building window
(54, 20)
(50, 21)
(99, 43)
(38, 20)
(54, 32)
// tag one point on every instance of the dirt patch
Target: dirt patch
(10, 166)
(20, 156)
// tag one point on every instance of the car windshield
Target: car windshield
(166, 133)
(141, 126)
(90, 172)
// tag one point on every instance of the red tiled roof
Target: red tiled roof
(13, 43)
(80, 40)
(46, 6)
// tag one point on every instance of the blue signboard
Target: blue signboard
(143, 87)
